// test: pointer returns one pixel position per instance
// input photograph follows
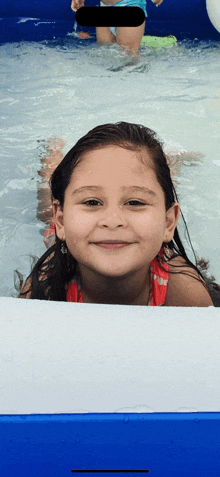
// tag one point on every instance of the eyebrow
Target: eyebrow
(124, 188)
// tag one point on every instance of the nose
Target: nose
(113, 220)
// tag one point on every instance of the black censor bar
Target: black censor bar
(110, 16)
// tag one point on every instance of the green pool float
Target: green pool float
(159, 41)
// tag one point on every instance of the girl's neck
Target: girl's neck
(132, 290)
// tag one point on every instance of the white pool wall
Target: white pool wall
(77, 358)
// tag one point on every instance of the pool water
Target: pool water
(63, 88)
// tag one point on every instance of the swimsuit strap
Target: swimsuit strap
(74, 292)
(158, 282)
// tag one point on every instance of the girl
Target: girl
(115, 214)
(127, 38)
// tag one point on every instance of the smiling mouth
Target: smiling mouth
(112, 245)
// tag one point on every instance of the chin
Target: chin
(114, 273)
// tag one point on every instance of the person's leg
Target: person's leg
(130, 38)
(104, 35)
(52, 158)
(50, 161)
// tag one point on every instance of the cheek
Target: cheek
(161, 225)
(152, 236)
(76, 225)
(151, 225)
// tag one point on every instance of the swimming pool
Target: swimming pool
(64, 87)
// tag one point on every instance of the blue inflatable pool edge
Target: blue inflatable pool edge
(168, 444)
(37, 21)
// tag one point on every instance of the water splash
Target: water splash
(74, 33)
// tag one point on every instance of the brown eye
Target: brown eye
(135, 203)
(91, 202)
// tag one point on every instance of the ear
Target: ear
(58, 219)
(172, 217)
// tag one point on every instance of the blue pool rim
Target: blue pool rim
(165, 444)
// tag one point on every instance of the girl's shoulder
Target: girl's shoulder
(185, 286)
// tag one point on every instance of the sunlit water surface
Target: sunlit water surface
(66, 87)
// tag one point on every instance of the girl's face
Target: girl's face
(113, 197)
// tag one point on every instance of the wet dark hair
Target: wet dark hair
(54, 270)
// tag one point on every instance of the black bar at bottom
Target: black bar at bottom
(111, 470)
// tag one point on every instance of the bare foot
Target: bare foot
(83, 35)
